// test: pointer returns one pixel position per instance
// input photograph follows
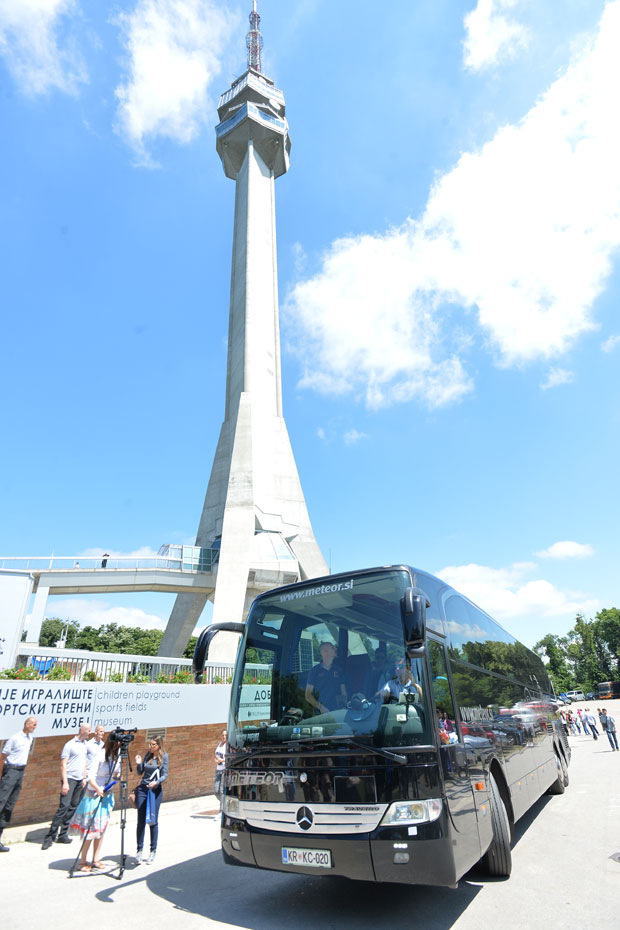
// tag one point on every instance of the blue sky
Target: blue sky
(448, 239)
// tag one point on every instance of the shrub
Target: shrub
(116, 676)
(91, 675)
(24, 673)
(182, 677)
(59, 673)
(139, 679)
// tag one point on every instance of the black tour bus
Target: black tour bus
(403, 751)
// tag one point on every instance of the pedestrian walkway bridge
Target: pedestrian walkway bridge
(189, 569)
(174, 569)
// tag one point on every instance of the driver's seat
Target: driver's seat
(357, 673)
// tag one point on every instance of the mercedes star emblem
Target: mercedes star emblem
(304, 818)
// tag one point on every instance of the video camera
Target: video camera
(124, 737)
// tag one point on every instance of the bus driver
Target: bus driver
(402, 682)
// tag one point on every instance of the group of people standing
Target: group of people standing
(585, 720)
(90, 766)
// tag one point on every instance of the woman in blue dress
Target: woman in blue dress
(91, 819)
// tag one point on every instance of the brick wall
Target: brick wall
(191, 769)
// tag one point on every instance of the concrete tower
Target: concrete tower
(254, 510)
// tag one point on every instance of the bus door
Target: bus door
(453, 754)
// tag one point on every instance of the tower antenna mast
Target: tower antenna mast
(254, 40)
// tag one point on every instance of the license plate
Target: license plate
(312, 858)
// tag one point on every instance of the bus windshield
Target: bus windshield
(327, 664)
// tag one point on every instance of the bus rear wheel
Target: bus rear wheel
(498, 857)
(561, 781)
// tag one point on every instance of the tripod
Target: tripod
(122, 800)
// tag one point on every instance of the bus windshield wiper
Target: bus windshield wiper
(351, 741)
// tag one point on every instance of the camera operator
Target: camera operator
(154, 771)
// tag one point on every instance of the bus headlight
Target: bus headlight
(409, 812)
(231, 806)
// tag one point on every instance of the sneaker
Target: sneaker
(63, 839)
(139, 857)
(151, 857)
(4, 848)
(47, 842)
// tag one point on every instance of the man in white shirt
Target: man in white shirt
(13, 761)
(94, 744)
(590, 719)
(401, 682)
(73, 759)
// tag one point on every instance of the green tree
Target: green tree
(608, 627)
(88, 638)
(587, 652)
(52, 629)
(554, 648)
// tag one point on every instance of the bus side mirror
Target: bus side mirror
(201, 649)
(413, 606)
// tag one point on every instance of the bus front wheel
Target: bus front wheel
(498, 857)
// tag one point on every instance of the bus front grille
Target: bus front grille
(314, 818)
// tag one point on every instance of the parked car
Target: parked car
(591, 696)
(577, 695)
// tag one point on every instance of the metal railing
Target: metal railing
(108, 666)
(78, 563)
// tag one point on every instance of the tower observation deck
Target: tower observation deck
(254, 510)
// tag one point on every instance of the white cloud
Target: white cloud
(556, 377)
(507, 593)
(321, 433)
(491, 35)
(353, 436)
(365, 327)
(29, 43)
(96, 613)
(566, 549)
(175, 49)
(299, 257)
(610, 343)
(519, 235)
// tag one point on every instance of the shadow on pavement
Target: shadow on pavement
(205, 886)
(111, 867)
(209, 888)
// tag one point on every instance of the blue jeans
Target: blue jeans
(613, 739)
(141, 793)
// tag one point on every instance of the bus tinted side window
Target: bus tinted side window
(441, 692)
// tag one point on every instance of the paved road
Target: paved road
(563, 876)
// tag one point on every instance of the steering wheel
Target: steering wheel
(360, 706)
